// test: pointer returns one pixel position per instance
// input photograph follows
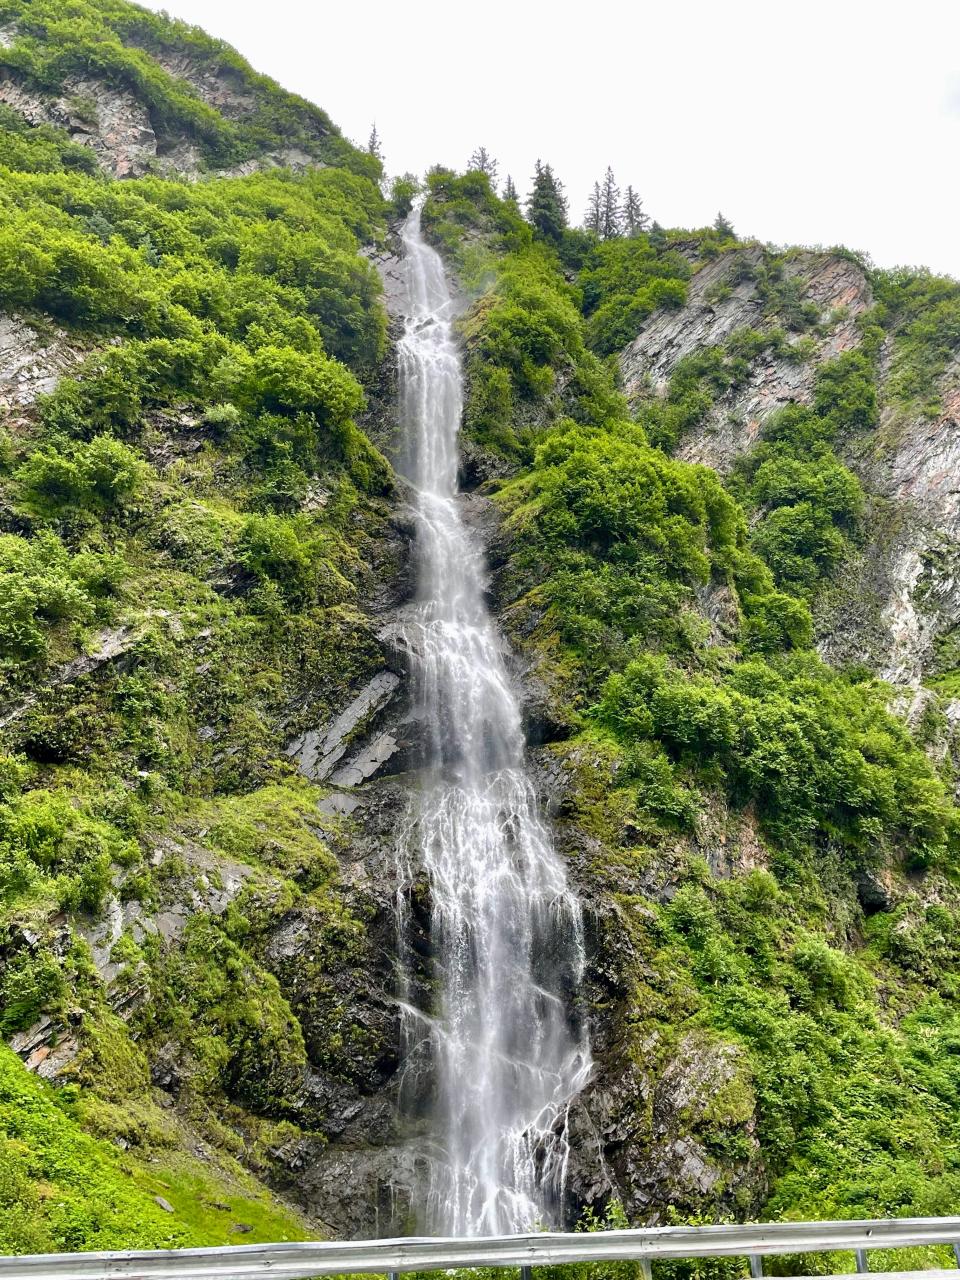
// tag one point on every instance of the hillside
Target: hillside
(768, 842)
(715, 481)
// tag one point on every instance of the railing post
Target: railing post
(646, 1269)
(526, 1273)
(956, 1253)
(756, 1266)
(393, 1275)
(863, 1265)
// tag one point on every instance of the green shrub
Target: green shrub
(271, 549)
(814, 752)
(48, 845)
(103, 476)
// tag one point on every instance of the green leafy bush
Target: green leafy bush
(49, 846)
(42, 586)
(102, 476)
(814, 752)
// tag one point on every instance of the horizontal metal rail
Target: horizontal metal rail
(314, 1258)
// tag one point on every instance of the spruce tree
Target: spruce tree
(633, 218)
(547, 204)
(373, 144)
(483, 162)
(510, 190)
(592, 218)
(609, 207)
(724, 228)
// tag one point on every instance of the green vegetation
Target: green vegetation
(189, 524)
(192, 526)
(126, 47)
(63, 1189)
(809, 504)
(923, 311)
(856, 1111)
(623, 281)
(670, 619)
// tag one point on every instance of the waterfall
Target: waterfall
(494, 1046)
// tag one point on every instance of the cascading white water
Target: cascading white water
(496, 1052)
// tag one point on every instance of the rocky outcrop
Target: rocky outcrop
(108, 647)
(318, 752)
(220, 86)
(654, 1128)
(899, 599)
(32, 361)
(121, 131)
(913, 462)
(208, 884)
(723, 298)
(109, 120)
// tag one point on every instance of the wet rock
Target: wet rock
(875, 891)
(166, 1069)
(650, 1130)
(392, 274)
(360, 1191)
(367, 762)
(318, 751)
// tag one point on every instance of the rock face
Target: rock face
(655, 1131)
(208, 885)
(123, 134)
(108, 120)
(724, 298)
(318, 752)
(913, 462)
(31, 362)
(909, 465)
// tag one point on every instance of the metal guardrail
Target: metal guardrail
(391, 1257)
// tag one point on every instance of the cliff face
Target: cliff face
(900, 604)
(723, 298)
(662, 705)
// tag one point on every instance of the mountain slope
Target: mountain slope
(195, 535)
(768, 851)
(149, 94)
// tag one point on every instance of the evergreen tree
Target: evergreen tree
(658, 236)
(483, 162)
(373, 143)
(610, 226)
(547, 204)
(724, 228)
(510, 190)
(592, 218)
(633, 218)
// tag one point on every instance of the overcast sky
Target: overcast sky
(805, 121)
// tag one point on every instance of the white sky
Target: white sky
(805, 121)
